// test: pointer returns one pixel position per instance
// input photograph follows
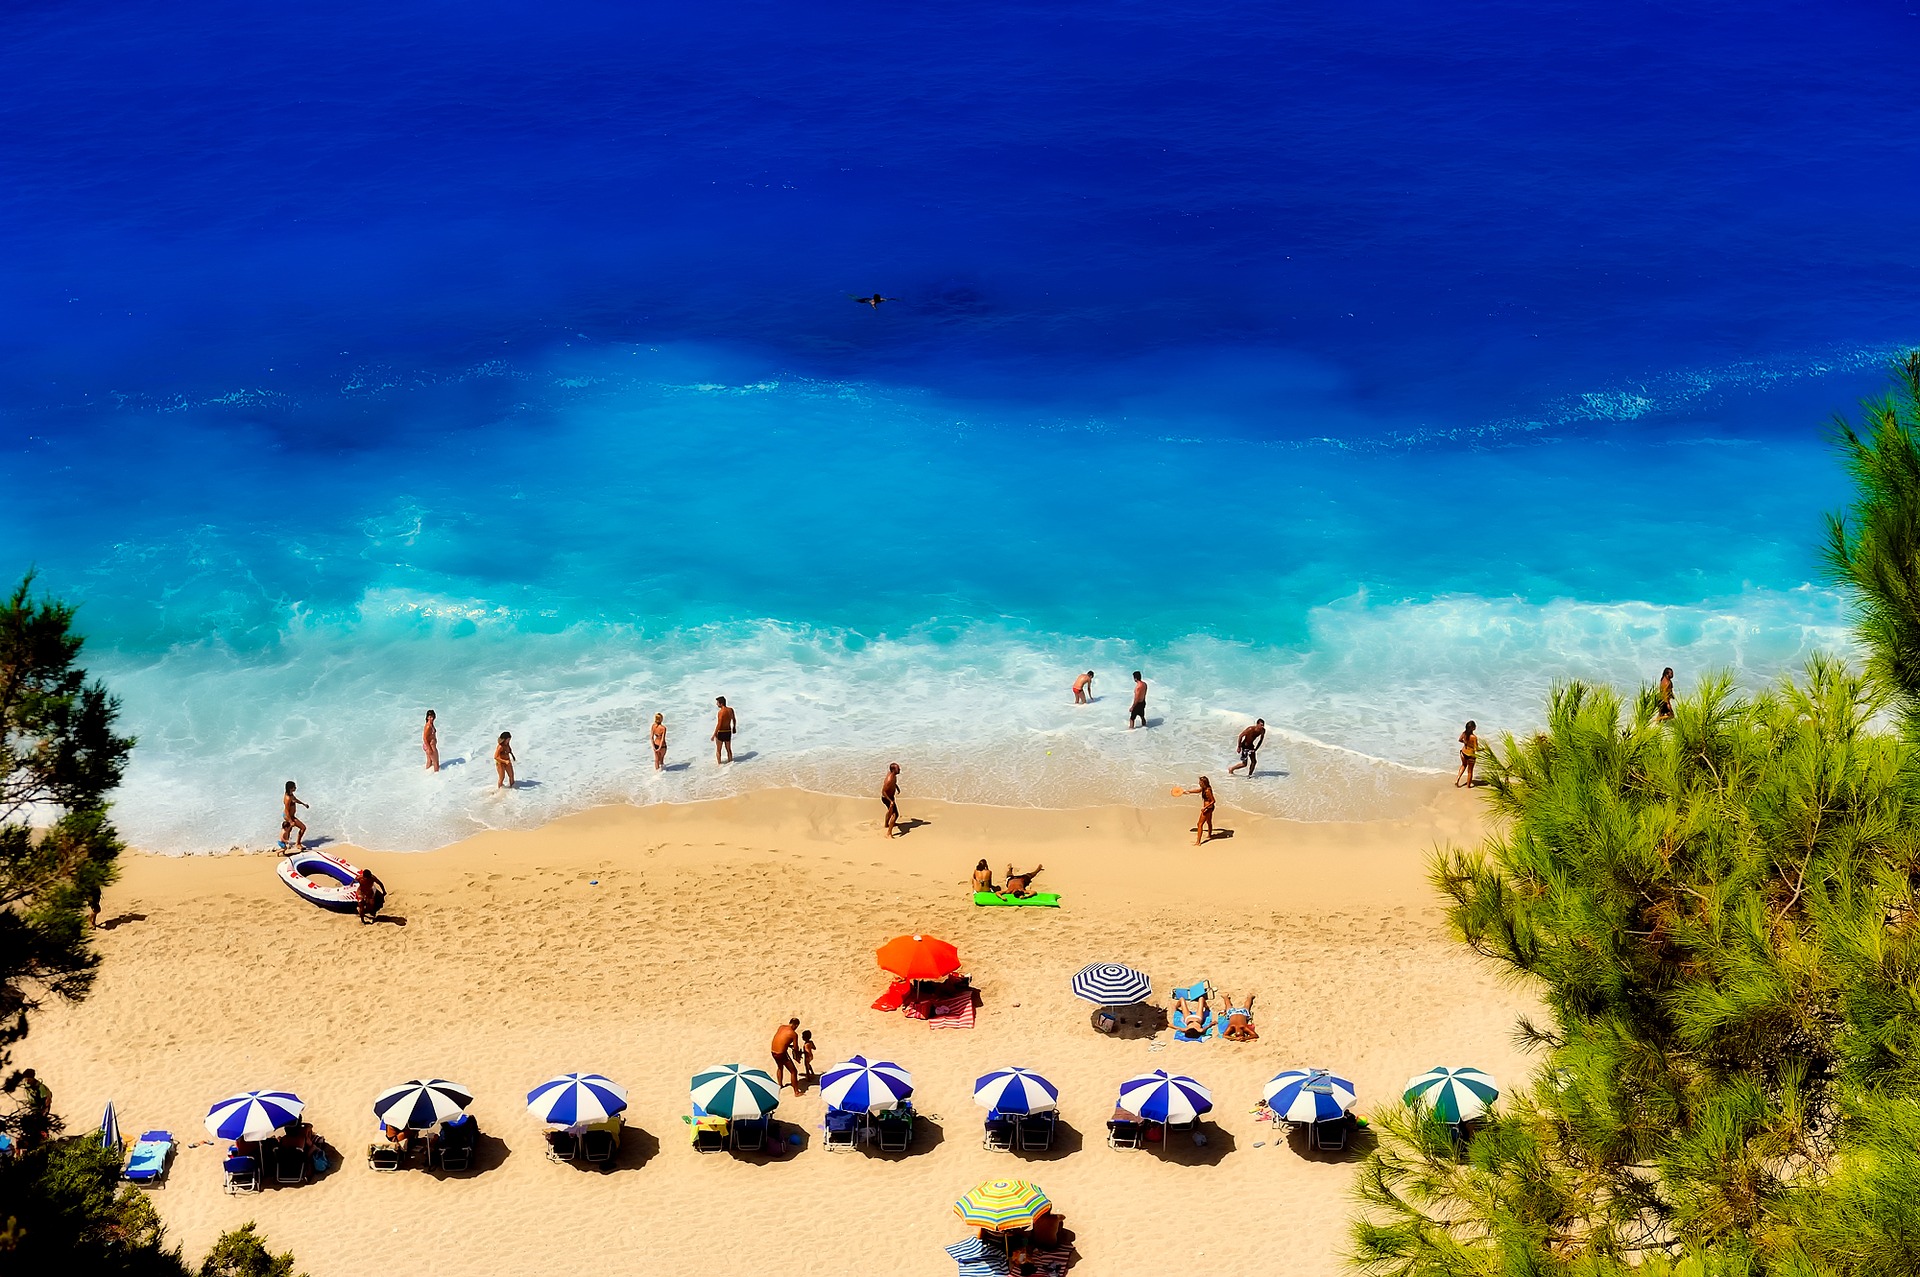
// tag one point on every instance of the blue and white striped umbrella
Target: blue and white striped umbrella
(254, 1115)
(1454, 1095)
(1160, 1096)
(1015, 1090)
(865, 1086)
(735, 1091)
(109, 1128)
(576, 1099)
(420, 1103)
(1111, 985)
(1309, 1095)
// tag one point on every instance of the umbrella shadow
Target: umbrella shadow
(1134, 1022)
(1066, 1142)
(490, 1152)
(927, 1136)
(1177, 1146)
(1360, 1141)
(780, 1146)
(637, 1148)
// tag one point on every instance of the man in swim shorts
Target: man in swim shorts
(889, 797)
(1020, 885)
(1250, 741)
(724, 725)
(1083, 689)
(1139, 709)
(786, 1041)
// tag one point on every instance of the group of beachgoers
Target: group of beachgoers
(1196, 1017)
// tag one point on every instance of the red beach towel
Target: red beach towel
(890, 1000)
(952, 1013)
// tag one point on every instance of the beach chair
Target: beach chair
(710, 1135)
(597, 1146)
(562, 1146)
(895, 1128)
(242, 1175)
(1328, 1137)
(385, 1156)
(147, 1163)
(999, 1132)
(289, 1165)
(1036, 1131)
(750, 1134)
(457, 1142)
(1124, 1130)
(843, 1128)
(1193, 992)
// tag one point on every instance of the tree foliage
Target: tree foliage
(1718, 915)
(244, 1253)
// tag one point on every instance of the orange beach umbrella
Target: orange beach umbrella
(919, 958)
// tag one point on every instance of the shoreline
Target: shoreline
(647, 943)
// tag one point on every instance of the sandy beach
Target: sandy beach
(646, 943)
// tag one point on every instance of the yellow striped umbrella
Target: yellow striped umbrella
(1003, 1204)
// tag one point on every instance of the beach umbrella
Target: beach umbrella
(733, 1090)
(1160, 1096)
(253, 1115)
(1454, 1095)
(1002, 1205)
(1015, 1090)
(1111, 985)
(109, 1128)
(919, 958)
(1309, 1095)
(422, 1102)
(575, 1099)
(865, 1086)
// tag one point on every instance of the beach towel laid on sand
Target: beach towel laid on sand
(955, 1012)
(1214, 1026)
(895, 995)
(978, 1259)
(1038, 900)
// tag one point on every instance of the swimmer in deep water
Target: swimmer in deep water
(873, 301)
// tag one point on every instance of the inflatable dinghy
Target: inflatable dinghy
(322, 880)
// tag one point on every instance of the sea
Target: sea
(1364, 366)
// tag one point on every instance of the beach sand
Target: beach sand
(648, 943)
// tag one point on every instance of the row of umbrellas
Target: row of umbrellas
(859, 1085)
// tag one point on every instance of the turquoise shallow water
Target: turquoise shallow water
(1365, 368)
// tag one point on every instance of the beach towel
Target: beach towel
(890, 1000)
(1211, 1029)
(978, 1259)
(1038, 900)
(1052, 1261)
(955, 1012)
(148, 1160)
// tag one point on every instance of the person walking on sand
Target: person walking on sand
(1203, 829)
(1083, 689)
(725, 724)
(806, 1054)
(430, 742)
(1250, 741)
(369, 893)
(659, 741)
(503, 761)
(1664, 700)
(1469, 751)
(890, 797)
(1139, 709)
(290, 820)
(786, 1050)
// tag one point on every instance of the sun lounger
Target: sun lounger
(242, 1175)
(147, 1163)
(1124, 1130)
(597, 1146)
(562, 1146)
(1036, 1131)
(1328, 1137)
(979, 1258)
(750, 1134)
(895, 1128)
(1193, 992)
(997, 899)
(385, 1157)
(999, 1132)
(289, 1165)
(710, 1134)
(843, 1128)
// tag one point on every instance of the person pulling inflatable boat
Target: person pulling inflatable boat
(333, 884)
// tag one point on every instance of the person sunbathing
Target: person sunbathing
(1195, 1014)
(1019, 884)
(983, 878)
(1240, 1020)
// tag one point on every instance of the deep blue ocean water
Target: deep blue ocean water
(1367, 367)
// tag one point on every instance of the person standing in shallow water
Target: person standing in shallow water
(659, 741)
(1139, 709)
(890, 796)
(1469, 752)
(1083, 689)
(725, 723)
(430, 742)
(1664, 701)
(503, 761)
(290, 822)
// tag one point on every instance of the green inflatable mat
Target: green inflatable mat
(1038, 900)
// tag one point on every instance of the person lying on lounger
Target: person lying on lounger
(983, 878)
(1195, 1013)
(1240, 1020)
(1019, 884)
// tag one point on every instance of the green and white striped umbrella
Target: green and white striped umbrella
(1454, 1095)
(733, 1090)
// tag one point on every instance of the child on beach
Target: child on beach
(503, 761)
(290, 821)
(806, 1053)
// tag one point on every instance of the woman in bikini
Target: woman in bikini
(1203, 828)
(289, 821)
(1469, 750)
(430, 742)
(659, 741)
(503, 761)
(983, 878)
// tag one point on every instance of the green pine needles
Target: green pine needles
(1718, 914)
